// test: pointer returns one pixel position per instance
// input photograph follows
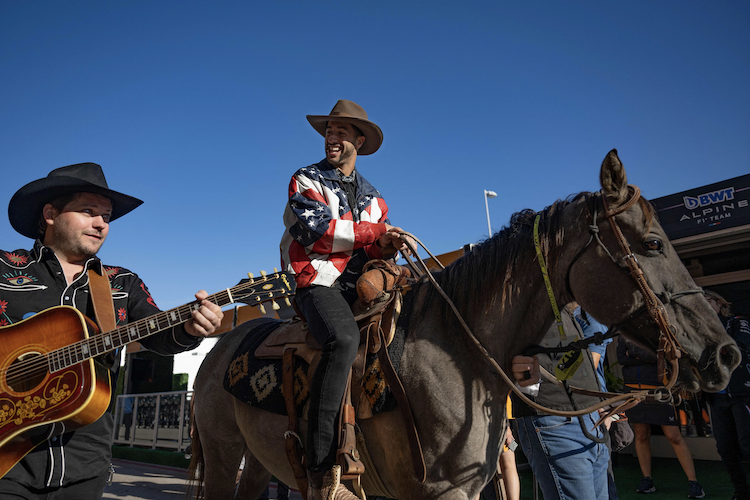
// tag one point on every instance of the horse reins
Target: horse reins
(669, 348)
(630, 400)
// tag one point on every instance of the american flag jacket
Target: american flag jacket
(323, 228)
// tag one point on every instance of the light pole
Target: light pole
(488, 194)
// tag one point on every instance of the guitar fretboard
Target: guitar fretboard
(96, 345)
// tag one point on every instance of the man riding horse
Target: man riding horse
(335, 222)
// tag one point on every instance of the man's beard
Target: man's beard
(66, 242)
(348, 152)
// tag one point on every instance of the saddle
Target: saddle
(376, 312)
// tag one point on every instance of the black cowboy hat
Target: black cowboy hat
(26, 205)
(351, 112)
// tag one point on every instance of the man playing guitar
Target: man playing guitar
(68, 214)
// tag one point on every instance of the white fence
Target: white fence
(157, 420)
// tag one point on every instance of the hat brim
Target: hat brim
(26, 205)
(373, 134)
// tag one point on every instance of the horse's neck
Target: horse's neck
(519, 312)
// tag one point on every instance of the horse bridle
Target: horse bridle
(669, 348)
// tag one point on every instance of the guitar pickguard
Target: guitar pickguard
(57, 392)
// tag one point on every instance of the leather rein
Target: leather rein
(669, 349)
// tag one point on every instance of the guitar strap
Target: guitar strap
(100, 291)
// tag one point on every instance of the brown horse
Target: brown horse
(457, 400)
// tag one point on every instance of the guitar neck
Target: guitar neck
(260, 290)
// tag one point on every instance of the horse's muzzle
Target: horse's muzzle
(716, 365)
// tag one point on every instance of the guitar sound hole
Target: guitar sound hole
(26, 372)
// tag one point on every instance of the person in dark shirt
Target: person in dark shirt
(730, 408)
(68, 213)
(639, 371)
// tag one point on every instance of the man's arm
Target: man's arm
(314, 225)
(183, 337)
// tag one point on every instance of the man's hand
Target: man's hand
(392, 241)
(206, 319)
(526, 366)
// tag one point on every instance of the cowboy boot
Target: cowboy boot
(326, 485)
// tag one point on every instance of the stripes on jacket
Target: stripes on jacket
(323, 228)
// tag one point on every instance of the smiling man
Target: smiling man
(68, 213)
(335, 222)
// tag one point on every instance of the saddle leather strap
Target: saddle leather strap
(292, 441)
(420, 470)
(100, 291)
(361, 405)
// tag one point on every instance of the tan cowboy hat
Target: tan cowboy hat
(26, 205)
(351, 112)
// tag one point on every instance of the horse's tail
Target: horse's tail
(197, 468)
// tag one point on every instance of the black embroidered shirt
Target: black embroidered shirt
(32, 281)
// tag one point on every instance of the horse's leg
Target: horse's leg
(222, 442)
(222, 446)
(264, 435)
(254, 479)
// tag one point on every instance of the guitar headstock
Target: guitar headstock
(267, 287)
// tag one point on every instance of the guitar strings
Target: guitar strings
(41, 363)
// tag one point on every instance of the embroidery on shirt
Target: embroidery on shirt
(5, 320)
(111, 271)
(20, 281)
(16, 260)
(118, 292)
(150, 299)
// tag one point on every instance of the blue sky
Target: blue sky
(199, 108)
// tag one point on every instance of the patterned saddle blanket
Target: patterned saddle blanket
(258, 382)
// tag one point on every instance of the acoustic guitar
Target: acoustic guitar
(48, 374)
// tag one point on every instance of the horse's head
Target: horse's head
(606, 288)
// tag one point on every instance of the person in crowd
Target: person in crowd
(336, 221)
(730, 408)
(506, 468)
(127, 416)
(69, 213)
(590, 327)
(569, 456)
(282, 492)
(639, 371)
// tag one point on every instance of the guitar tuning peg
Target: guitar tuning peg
(250, 275)
(262, 309)
(275, 306)
(286, 301)
(263, 274)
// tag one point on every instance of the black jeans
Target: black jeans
(730, 419)
(88, 489)
(331, 322)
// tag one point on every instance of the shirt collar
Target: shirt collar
(40, 253)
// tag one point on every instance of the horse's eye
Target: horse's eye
(653, 245)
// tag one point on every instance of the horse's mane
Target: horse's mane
(472, 280)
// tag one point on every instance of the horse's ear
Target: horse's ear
(613, 179)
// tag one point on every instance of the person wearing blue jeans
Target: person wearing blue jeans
(590, 327)
(567, 464)
(567, 455)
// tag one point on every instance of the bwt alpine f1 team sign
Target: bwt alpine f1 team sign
(709, 208)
